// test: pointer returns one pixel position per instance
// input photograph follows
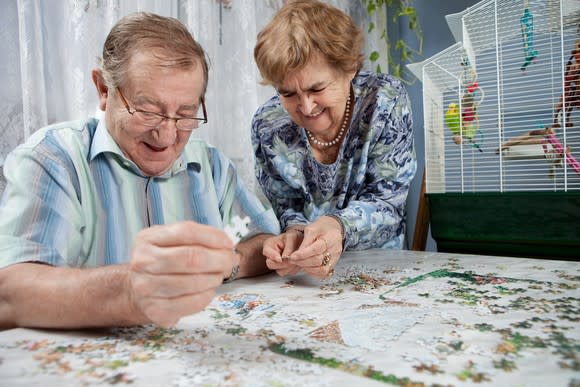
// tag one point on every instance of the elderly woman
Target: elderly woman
(334, 146)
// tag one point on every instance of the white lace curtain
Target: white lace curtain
(50, 47)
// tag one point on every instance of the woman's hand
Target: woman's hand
(277, 250)
(320, 249)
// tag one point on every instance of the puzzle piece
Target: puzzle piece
(238, 228)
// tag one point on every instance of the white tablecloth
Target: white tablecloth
(390, 317)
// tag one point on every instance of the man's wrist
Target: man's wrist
(235, 269)
(233, 274)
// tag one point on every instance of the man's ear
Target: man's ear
(102, 88)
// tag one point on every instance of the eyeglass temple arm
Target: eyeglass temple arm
(204, 110)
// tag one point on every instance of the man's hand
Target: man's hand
(175, 269)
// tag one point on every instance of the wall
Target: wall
(437, 37)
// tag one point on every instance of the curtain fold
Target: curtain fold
(50, 48)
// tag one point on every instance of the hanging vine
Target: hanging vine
(399, 53)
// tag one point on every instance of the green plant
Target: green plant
(400, 52)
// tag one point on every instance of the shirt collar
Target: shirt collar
(104, 143)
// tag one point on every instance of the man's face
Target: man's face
(168, 91)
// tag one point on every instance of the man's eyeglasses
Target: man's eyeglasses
(153, 120)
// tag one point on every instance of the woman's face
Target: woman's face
(315, 97)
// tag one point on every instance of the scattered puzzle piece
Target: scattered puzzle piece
(238, 228)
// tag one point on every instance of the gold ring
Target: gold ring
(325, 258)
(331, 272)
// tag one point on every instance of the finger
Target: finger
(292, 241)
(315, 249)
(282, 272)
(282, 268)
(275, 265)
(182, 259)
(294, 270)
(166, 312)
(273, 248)
(291, 270)
(186, 233)
(319, 260)
(314, 272)
(174, 285)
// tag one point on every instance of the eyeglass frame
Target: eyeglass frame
(163, 116)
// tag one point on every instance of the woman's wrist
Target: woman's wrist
(299, 228)
(341, 224)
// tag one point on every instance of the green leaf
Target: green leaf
(408, 11)
(397, 70)
(398, 51)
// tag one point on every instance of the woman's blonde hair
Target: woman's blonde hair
(165, 38)
(302, 29)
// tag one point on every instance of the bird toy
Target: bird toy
(549, 145)
(570, 98)
(527, 28)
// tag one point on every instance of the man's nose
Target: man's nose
(166, 132)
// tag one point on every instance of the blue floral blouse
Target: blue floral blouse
(366, 187)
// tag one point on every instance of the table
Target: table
(385, 317)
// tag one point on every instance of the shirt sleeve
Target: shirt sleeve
(40, 216)
(237, 199)
(285, 194)
(376, 218)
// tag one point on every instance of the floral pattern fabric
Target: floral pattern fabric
(366, 186)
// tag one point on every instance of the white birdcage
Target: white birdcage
(502, 112)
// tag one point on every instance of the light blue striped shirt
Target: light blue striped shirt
(72, 198)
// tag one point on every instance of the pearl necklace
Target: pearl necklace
(322, 144)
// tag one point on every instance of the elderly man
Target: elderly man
(118, 221)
